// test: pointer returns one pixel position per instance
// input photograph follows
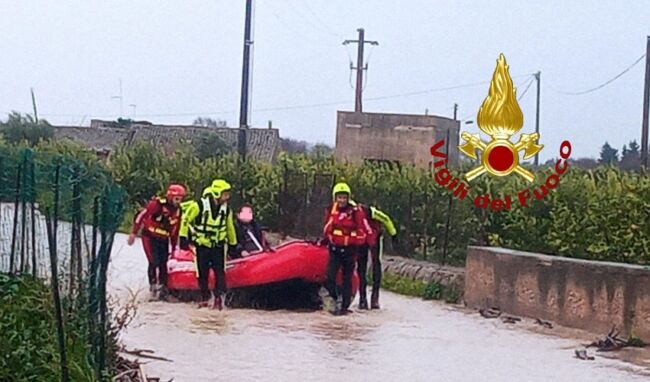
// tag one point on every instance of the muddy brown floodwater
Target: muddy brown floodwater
(408, 340)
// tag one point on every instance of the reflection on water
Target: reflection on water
(408, 340)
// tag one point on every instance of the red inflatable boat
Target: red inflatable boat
(295, 260)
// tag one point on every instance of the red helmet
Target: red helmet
(175, 190)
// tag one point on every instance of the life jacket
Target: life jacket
(342, 228)
(375, 225)
(162, 222)
(209, 231)
(249, 236)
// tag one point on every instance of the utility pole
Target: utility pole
(537, 77)
(34, 106)
(245, 81)
(646, 105)
(457, 130)
(358, 106)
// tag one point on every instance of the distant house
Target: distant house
(104, 136)
(403, 138)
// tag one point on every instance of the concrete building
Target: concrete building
(404, 138)
(104, 136)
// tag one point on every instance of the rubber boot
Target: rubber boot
(162, 292)
(153, 292)
(209, 303)
(218, 303)
(363, 302)
(374, 299)
(338, 309)
(328, 301)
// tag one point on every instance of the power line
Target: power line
(313, 40)
(289, 107)
(530, 82)
(326, 27)
(604, 83)
(473, 115)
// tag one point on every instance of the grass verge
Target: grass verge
(426, 290)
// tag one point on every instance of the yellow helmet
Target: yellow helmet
(207, 191)
(341, 188)
(219, 186)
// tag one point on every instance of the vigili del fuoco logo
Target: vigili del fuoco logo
(500, 117)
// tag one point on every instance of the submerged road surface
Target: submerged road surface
(408, 340)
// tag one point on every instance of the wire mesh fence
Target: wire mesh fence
(58, 217)
(431, 226)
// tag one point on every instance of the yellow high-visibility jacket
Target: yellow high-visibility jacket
(209, 223)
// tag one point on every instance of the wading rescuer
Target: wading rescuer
(376, 218)
(209, 224)
(346, 229)
(161, 221)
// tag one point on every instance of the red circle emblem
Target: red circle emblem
(501, 158)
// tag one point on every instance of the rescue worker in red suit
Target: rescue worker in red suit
(160, 221)
(346, 229)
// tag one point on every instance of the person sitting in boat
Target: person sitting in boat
(250, 237)
(346, 229)
(376, 219)
(210, 221)
(161, 221)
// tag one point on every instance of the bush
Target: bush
(28, 343)
(598, 214)
(19, 128)
(210, 145)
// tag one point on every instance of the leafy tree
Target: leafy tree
(585, 163)
(209, 122)
(19, 127)
(210, 145)
(293, 146)
(608, 155)
(631, 158)
(322, 150)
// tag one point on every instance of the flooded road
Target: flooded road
(408, 340)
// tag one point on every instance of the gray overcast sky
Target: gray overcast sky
(181, 59)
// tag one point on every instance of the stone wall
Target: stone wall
(576, 293)
(425, 271)
(393, 137)
(262, 144)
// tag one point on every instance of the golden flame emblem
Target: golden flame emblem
(500, 117)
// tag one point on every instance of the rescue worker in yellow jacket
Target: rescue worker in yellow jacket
(375, 246)
(208, 224)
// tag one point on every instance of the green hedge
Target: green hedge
(598, 214)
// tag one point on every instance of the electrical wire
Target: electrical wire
(290, 107)
(604, 83)
(530, 82)
(326, 27)
(312, 40)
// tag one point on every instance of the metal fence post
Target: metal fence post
(52, 226)
(15, 227)
(32, 183)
